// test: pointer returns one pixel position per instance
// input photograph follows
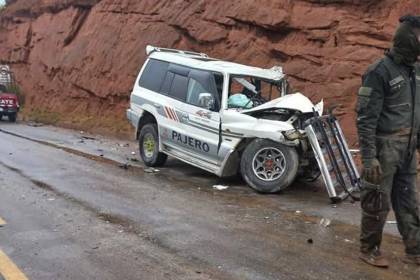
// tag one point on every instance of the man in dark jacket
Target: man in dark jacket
(388, 122)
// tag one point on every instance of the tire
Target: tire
(12, 117)
(148, 138)
(268, 166)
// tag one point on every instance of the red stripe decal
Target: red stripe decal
(176, 116)
(171, 113)
(167, 113)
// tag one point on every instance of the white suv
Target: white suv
(225, 118)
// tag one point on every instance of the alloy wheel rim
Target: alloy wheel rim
(149, 145)
(269, 164)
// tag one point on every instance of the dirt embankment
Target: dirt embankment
(77, 60)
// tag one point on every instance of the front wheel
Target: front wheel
(268, 166)
(149, 146)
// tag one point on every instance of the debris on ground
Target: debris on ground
(101, 152)
(123, 145)
(133, 153)
(88, 138)
(391, 222)
(220, 187)
(35, 124)
(310, 241)
(133, 159)
(151, 170)
(298, 212)
(124, 166)
(325, 222)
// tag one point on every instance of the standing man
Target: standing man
(388, 122)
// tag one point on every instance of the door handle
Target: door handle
(157, 105)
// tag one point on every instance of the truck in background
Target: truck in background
(9, 101)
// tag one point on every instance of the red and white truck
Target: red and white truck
(9, 102)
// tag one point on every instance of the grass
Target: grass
(42, 116)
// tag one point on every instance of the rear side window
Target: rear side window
(179, 87)
(153, 75)
(167, 83)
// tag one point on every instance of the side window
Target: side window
(167, 83)
(179, 87)
(194, 90)
(153, 75)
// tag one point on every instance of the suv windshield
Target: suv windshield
(246, 92)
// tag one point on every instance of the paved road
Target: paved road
(74, 216)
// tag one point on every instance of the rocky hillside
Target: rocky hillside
(76, 60)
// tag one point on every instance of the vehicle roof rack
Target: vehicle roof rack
(152, 49)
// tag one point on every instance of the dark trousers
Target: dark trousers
(398, 188)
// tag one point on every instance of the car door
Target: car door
(201, 116)
(172, 129)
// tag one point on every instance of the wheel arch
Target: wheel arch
(145, 118)
(231, 166)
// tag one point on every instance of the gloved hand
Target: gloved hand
(372, 171)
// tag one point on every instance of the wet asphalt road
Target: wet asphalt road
(74, 217)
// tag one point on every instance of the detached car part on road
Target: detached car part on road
(227, 118)
(9, 103)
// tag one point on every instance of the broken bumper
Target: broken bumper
(8, 110)
(335, 161)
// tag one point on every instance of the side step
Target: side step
(335, 161)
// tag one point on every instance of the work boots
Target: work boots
(412, 259)
(374, 258)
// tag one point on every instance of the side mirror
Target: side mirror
(206, 100)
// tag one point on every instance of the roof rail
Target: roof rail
(151, 49)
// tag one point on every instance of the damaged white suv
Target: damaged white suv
(225, 117)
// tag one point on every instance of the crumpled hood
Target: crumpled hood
(296, 101)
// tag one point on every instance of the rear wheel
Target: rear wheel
(12, 117)
(268, 166)
(149, 146)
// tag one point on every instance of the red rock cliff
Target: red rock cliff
(78, 59)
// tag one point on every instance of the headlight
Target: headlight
(292, 134)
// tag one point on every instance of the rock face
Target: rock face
(79, 58)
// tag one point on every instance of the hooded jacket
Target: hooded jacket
(389, 100)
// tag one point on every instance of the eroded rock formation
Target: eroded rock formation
(79, 59)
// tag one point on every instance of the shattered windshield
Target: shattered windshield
(246, 92)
